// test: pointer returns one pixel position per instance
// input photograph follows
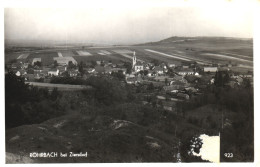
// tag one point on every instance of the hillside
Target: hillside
(103, 138)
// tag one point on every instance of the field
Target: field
(46, 57)
(67, 53)
(204, 50)
(115, 58)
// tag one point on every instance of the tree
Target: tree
(128, 67)
(166, 81)
(221, 78)
(108, 91)
(119, 75)
(71, 65)
(155, 62)
(150, 87)
(246, 83)
(55, 94)
(145, 72)
(37, 63)
(27, 104)
(81, 69)
(93, 63)
(55, 63)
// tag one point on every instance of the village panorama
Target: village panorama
(137, 103)
(129, 84)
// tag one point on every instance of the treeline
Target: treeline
(107, 91)
(26, 104)
(68, 80)
(239, 137)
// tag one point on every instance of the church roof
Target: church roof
(138, 63)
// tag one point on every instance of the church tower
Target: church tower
(134, 60)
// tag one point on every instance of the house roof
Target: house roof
(185, 70)
(158, 68)
(53, 70)
(100, 69)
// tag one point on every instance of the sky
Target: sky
(123, 24)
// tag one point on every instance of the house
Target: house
(119, 65)
(171, 65)
(138, 67)
(162, 78)
(163, 65)
(210, 69)
(158, 70)
(187, 71)
(25, 65)
(53, 72)
(16, 66)
(65, 60)
(29, 77)
(146, 67)
(73, 73)
(150, 73)
(170, 88)
(191, 89)
(62, 69)
(169, 105)
(18, 73)
(98, 62)
(133, 80)
(21, 72)
(232, 84)
(239, 79)
(91, 70)
(100, 69)
(123, 70)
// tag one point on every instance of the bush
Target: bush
(27, 104)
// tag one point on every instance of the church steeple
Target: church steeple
(134, 60)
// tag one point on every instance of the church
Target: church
(137, 65)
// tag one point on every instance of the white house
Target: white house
(210, 69)
(187, 71)
(54, 72)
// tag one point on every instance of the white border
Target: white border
(254, 4)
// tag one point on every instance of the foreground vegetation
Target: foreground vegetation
(111, 100)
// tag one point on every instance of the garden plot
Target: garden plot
(23, 56)
(83, 53)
